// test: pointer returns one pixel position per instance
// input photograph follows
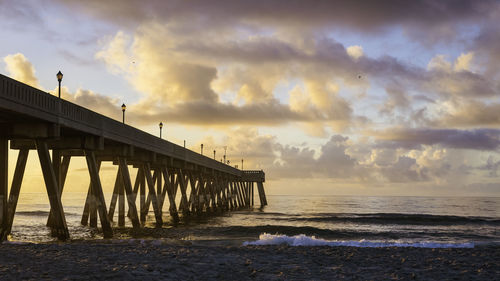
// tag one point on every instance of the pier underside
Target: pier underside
(159, 181)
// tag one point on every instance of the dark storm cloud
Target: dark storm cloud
(479, 139)
(487, 43)
(206, 113)
(361, 15)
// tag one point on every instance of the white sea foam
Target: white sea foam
(304, 240)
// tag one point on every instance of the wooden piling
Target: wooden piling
(4, 176)
(90, 207)
(63, 168)
(14, 192)
(184, 202)
(61, 229)
(168, 189)
(121, 203)
(262, 194)
(142, 198)
(152, 194)
(128, 190)
(114, 197)
(98, 194)
(252, 195)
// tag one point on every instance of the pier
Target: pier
(58, 130)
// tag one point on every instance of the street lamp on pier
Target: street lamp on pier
(124, 107)
(242, 164)
(59, 76)
(201, 149)
(214, 154)
(161, 127)
(225, 150)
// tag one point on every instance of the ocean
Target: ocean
(429, 222)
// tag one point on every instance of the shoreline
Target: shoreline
(183, 260)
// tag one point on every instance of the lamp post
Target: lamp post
(161, 127)
(201, 149)
(242, 164)
(59, 76)
(214, 154)
(123, 110)
(225, 150)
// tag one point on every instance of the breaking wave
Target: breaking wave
(304, 240)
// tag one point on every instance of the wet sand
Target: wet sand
(154, 260)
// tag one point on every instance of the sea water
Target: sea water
(432, 222)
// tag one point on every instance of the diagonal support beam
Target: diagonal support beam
(152, 194)
(171, 197)
(130, 194)
(61, 229)
(90, 208)
(98, 194)
(14, 191)
(114, 197)
(184, 202)
(262, 194)
(62, 177)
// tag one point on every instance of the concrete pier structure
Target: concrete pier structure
(57, 130)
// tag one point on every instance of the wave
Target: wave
(39, 213)
(304, 240)
(389, 218)
(342, 234)
(32, 213)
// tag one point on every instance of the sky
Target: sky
(327, 97)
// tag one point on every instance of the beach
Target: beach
(183, 260)
(294, 238)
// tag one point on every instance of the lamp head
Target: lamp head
(124, 107)
(59, 76)
(161, 125)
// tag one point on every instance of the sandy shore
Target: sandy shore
(152, 260)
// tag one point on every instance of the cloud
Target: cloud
(463, 62)
(179, 82)
(491, 166)
(405, 169)
(487, 48)
(435, 19)
(439, 63)
(478, 139)
(355, 52)
(397, 99)
(194, 76)
(469, 114)
(19, 68)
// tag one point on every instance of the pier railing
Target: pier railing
(253, 175)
